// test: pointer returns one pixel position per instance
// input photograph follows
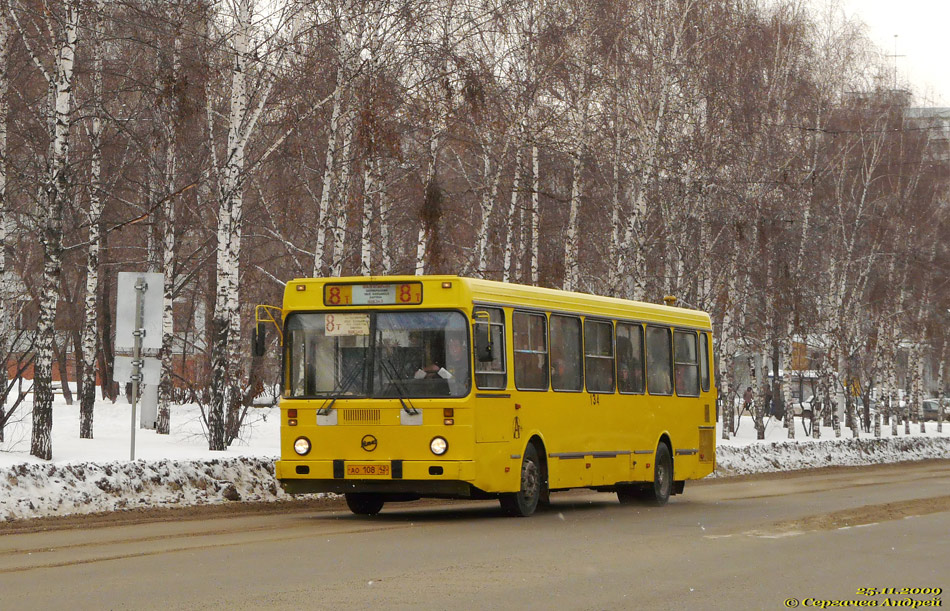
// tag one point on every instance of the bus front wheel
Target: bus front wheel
(364, 503)
(525, 501)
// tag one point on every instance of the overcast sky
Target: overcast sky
(923, 38)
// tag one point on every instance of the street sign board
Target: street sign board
(125, 310)
(151, 370)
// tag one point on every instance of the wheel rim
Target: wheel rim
(662, 478)
(530, 481)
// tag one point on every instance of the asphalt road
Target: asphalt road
(743, 543)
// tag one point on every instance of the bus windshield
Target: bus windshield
(378, 354)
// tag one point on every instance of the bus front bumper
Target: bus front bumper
(415, 477)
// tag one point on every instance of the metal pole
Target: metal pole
(138, 332)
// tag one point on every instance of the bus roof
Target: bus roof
(519, 295)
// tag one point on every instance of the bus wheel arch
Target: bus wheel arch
(545, 496)
(532, 482)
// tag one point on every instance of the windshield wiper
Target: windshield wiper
(341, 388)
(390, 370)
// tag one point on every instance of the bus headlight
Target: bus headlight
(302, 446)
(439, 446)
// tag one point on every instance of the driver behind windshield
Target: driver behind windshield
(454, 367)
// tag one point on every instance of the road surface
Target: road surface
(740, 543)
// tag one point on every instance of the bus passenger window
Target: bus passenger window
(492, 375)
(531, 351)
(686, 363)
(629, 358)
(659, 361)
(566, 353)
(599, 356)
(704, 359)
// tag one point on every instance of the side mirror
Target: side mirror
(259, 341)
(483, 344)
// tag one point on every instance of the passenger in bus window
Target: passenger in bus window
(629, 379)
(660, 382)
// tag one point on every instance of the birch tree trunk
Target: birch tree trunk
(339, 228)
(535, 213)
(916, 367)
(787, 386)
(431, 210)
(387, 262)
(56, 192)
(571, 265)
(729, 334)
(224, 414)
(893, 406)
(520, 246)
(510, 218)
(323, 213)
(366, 253)
(759, 406)
(329, 170)
(90, 335)
(942, 364)
(487, 202)
(728, 405)
(6, 325)
(613, 251)
(169, 263)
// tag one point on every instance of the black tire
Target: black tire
(364, 503)
(631, 493)
(524, 502)
(659, 493)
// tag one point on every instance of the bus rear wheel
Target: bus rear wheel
(364, 503)
(525, 501)
(655, 493)
(659, 493)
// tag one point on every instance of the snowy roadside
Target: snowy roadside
(771, 456)
(90, 476)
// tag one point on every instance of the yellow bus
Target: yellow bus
(401, 387)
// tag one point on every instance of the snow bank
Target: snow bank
(176, 470)
(34, 490)
(806, 454)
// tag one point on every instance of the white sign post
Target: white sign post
(138, 327)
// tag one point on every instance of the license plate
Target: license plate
(367, 470)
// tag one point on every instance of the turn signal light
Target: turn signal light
(448, 421)
(292, 422)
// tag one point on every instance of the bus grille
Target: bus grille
(360, 416)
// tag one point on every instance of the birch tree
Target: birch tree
(90, 335)
(53, 51)
(6, 326)
(246, 103)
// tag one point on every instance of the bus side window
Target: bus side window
(530, 350)
(629, 358)
(704, 360)
(686, 363)
(566, 373)
(659, 361)
(599, 355)
(492, 375)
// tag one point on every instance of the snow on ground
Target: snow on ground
(94, 475)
